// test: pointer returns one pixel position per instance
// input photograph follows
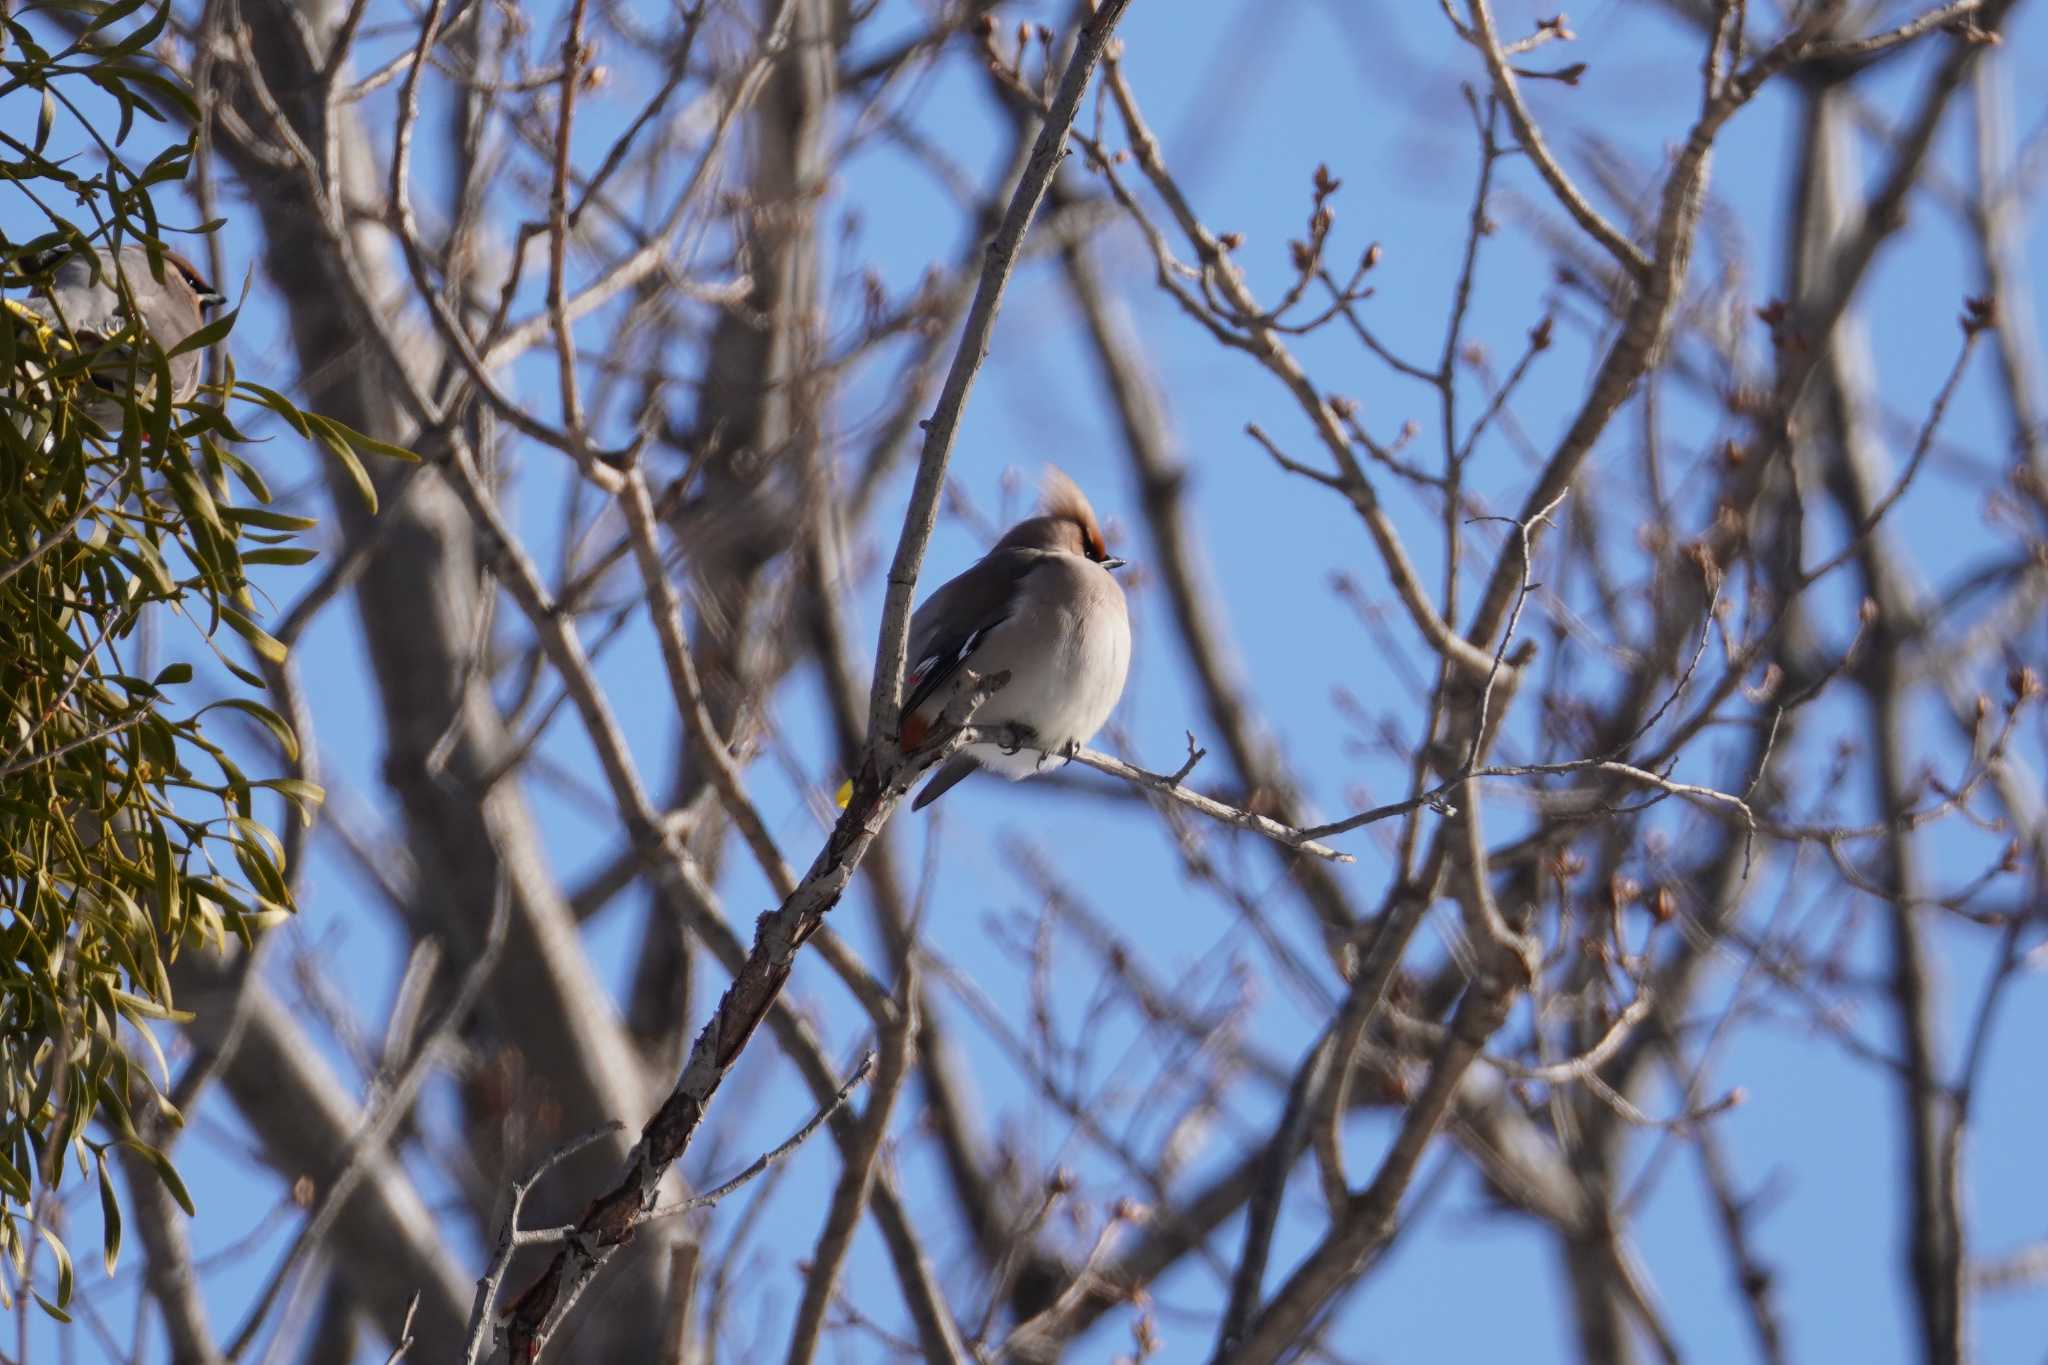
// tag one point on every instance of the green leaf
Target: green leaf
(164, 1172)
(251, 479)
(64, 1272)
(110, 1216)
(112, 14)
(262, 839)
(245, 675)
(261, 640)
(45, 120)
(130, 1003)
(264, 716)
(148, 1035)
(146, 33)
(195, 499)
(295, 554)
(163, 867)
(52, 1309)
(277, 403)
(304, 796)
(171, 674)
(143, 560)
(268, 520)
(370, 445)
(113, 1108)
(207, 335)
(335, 437)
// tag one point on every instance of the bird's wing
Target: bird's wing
(955, 620)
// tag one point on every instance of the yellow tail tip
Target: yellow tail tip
(844, 794)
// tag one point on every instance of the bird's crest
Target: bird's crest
(1059, 496)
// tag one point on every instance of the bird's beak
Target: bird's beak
(1113, 563)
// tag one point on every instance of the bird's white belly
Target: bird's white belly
(1065, 692)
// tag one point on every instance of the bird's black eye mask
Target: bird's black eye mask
(208, 296)
(1091, 541)
(1093, 546)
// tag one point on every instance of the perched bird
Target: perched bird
(1042, 607)
(87, 306)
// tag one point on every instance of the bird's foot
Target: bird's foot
(1014, 736)
(1063, 753)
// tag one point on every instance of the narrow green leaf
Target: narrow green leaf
(268, 520)
(264, 716)
(207, 335)
(64, 1272)
(196, 499)
(260, 838)
(166, 1173)
(248, 676)
(146, 33)
(305, 797)
(261, 640)
(110, 1216)
(277, 403)
(294, 554)
(156, 1050)
(163, 868)
(250, 478)
(112, 14)
(335, 437)
(132, 1004)
(46, 120)
(370, 445)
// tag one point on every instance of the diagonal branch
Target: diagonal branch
(922, 514)
(880, 784)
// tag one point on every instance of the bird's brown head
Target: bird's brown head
(1064, 522)
(96, 267)
(206, 294)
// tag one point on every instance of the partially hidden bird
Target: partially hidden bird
(1042, 607)
(87, 305)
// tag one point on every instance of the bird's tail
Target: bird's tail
(957, 767)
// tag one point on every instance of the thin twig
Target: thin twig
(715, 1195)
(1168, 785)
(405, 1337)
(1569, 195)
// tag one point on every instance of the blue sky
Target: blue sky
(1248, 99)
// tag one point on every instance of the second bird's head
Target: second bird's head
(1065, 522)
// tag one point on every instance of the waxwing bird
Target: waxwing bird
(1042, 607)
(87, 304)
